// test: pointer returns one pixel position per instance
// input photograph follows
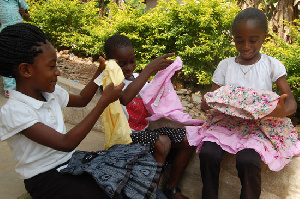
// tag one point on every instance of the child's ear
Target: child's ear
(25, 70)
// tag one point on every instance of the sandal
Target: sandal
(174, 193)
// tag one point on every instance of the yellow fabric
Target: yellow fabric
(114, 121)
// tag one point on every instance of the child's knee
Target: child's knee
(211, 152)
(163, 145)
(248, 158)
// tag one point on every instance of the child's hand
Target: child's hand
(160, 63)
(102, 63)
(22, 11)
(279, 111)
(112, 93)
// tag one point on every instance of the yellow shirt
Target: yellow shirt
(114, 121)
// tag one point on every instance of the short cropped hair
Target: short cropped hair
(115, 42)
(251, 14)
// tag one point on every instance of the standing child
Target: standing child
(12, 12)
(245, 82)
(161, 140)
(31, 121)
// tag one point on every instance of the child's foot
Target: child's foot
(174, 193)
(7, 94)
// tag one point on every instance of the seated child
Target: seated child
(32, 123)
(162, 140)
(244, 82)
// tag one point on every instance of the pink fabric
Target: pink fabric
(275, 139)
(161, 99)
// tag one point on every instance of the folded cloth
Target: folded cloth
(240, 121)
(123, 170)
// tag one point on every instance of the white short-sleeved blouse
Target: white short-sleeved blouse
(260, 76)
(21, 112)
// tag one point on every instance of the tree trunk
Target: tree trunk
(285, 14)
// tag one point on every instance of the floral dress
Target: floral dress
(239, 121)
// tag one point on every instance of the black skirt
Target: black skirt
(150, 136)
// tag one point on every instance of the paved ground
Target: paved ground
(11, 186)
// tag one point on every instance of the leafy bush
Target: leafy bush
(288, 54)
(68, 23)
(197, 31)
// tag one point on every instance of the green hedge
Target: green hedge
(197, 31)
(289, 55)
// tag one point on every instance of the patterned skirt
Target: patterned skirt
(123, 171)
(240, 121)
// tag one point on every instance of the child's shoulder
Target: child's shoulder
(270, 60)
(228, 60)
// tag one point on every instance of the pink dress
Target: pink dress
(161, 100)
(239, 121)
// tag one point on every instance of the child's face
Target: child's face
(248, 38)
(44, 71)
(126, 60)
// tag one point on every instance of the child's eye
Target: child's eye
(122, 64)
(132, 61)
(239, 42)
(253, 41)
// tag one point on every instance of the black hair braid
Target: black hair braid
(19, 43)
(115, 42)
(251, 14)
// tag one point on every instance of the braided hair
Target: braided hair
(19, 43)
(115, 42)
(251, 14)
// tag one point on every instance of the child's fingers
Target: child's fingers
(281, 99)
(120, 87)
(168, 55)
(102, 62)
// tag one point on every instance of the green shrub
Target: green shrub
(68, 23)
(197, 31)
(288, 54)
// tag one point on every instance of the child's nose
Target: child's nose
(246, 45)
(57, 72)
(128, 66)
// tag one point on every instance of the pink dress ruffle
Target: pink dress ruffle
(275, 139)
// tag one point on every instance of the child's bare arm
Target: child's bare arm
(47, 136)
(287, 104)
(24, 13)
(134, 88)
(89, 90)
(204, 105)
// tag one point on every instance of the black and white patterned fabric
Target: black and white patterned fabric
(123, 171)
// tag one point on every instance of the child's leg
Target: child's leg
(184, 153)
(53, 184)
(162, 148)
(211, 155)
(249, 171)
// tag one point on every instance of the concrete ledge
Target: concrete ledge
(75, 115)
(275, 185)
